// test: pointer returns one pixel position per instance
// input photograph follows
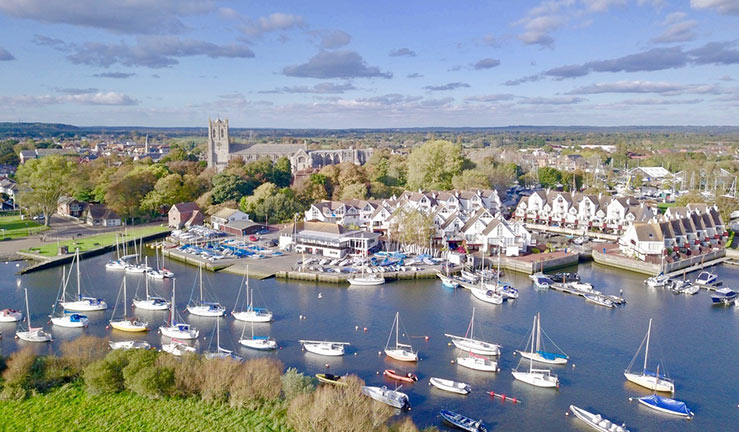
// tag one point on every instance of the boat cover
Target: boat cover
(654, 374)
(666, 403)
(550, 355)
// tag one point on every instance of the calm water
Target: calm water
(697, 342)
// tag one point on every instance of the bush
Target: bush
(217, 377)
(106, 375)
(338, 409)
(137, 360)
(257, 380)
(49, 372)
(18, 370)
(151, 381)
(404, 425)
(83, 351)
(187, 373)
(295, 383)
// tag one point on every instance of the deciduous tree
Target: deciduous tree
(41, 182)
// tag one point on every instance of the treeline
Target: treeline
(251, 385)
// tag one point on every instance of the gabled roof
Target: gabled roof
(225, 213)
(648, 232)
(100, 211)
(186, 207)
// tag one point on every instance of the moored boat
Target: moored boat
(399, 351)
(204, 308)
(665, 405)
(450, 386)
(408, 377)
(82, 303)
(382, 394)
(249, 313)
(657, 281)
(538, 354)
(447, 281)
(599, 300)
(469, 343)
(596, 421)
(328, 378)
(477, 362)
(261, 343)
(125, 323)
(532, 376)
(462, 422)
(325, 348)
(723, 296)
(33, 334)
(541, 281)
(706, 278)
(652, 380)
(129, 344)
(487, 295)
(178, 348)
(10, 315)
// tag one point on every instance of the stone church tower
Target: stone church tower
(218, 147)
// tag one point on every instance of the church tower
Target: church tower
(218, 148)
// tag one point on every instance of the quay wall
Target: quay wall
(340, 278)
(634, 265)
(569, 231)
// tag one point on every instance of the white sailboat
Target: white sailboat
(251, 314)
(538, 354)
(159, 272)
(261, 343)
(326, 348)
(67, 319)
(178, 348)
(118, 263)
(10, 315)
(125, 323)
(203, 308)
(477, 362)
(138, 267)
(83, 303)
(469, 343)
(129, 344)
(648, 379)
(221, 353)
(154, 303)
(364, 278)
(399, 351)
(176, 329)
(535, 377)
(33, 334)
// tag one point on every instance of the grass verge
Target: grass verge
(12, 227)
(96, 241)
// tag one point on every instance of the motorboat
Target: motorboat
(487, 295)
(651, 380)
(33, 334)
(382, 394)
(540, 355)
(723, 296)
(126, 323)
(178, 348)
(706, 279)
(10, 315)
(477, 362)
(325, 348)
(82, 303)
(541, 281)
(691, 289)
(461, 422)
(447, 281)
(583, 287)
(665, 405)
(506, 290)
(129, 344)
(599, 300)
(450, 386)
(408, 377)
(399, 351)
(469, 343)
(205, 308)
(332, 379)
(565, 277)
(596, 421)
(175, 329)
(657, 281)
(532, 376)
(117, 264)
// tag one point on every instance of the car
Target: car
(253, 238)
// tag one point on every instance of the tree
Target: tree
(41, 182)
(282, 172)
(354, 191)
(8, 156)
(549, 177)
(470, 179)
(270, 204)
(125, 196)
(434, 164)
(227, 186)
(412, 227)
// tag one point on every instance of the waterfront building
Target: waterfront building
(327, 239)
(227, 216)
(185, 215)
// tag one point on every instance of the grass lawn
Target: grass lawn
(15, 228)
(70, 408)
(96, 241)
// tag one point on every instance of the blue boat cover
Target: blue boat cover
(654, 374)
(550, 355)
(259, 338)
(666, 403)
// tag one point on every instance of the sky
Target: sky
(370, 64)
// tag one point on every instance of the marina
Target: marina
(696, 355)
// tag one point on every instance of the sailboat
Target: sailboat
(125, 323)
(447, 281)
(151, 302)
(159, 272)
(221, 353)
(251, 313)
(401, 352)
(175, 329)
(138, 267)
(262, 343)
(119, 263)
(364, 278)
(540, 355)
(486, 294)
(535, 377)
(83, 303)
(178, 348)
(651, 380)
(67, 319)
(469, 343)
(203, 308)
(34, 334)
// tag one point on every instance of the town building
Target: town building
(185, 215)
(227, 216)
(100, 215)
(327, 239)
(221, 150)
(70, 207)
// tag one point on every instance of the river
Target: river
(696, 341)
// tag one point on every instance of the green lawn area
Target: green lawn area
(96, 241)
(71, 408)
(13, 227)
(664, 206)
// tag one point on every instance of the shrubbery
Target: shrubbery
(295, 383)
(84, 350)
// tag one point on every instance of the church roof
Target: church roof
(286, 149)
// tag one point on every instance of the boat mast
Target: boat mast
(646, 351)
(249, 296)
(531, 358)
(171, 308)
(472, 324)
(538, 332)
(77, 256)
(397, 328)
(28, 311)
(124, 298)
(146, 279)
(201, 283)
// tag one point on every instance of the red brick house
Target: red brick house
(185, 214)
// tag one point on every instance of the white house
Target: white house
(642, 240)
(225, 216)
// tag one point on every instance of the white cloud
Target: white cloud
(275, 21)
(677, 29)
(80, 97)
(728, 7)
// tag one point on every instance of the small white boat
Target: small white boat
(325, 348)
(469, 343)
(541, 281)
(117, 264)
(382, 394)
(657, 281)
(600, 300)
(125, 323)
(450, 386)
(535, 377)
(221, 353)
(476, 362)
(652, 380)
(70, 320)
(447, 281)
(706, 278)
(203, 308)
(83, 303)
(250, 313)
(151, 302)
(724, 296)
(10, 315)
(175, 329)
(487, 295)
(177, 348)
(581, 286)
(666, 405)
(691, 289)
(129, 344)
(596, 421)
(33, 334)
(400, 351)
(540, 355)
(261, 343)
(137, 268)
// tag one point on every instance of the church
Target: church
(220, 151)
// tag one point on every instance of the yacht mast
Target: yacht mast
(77, 256)
(646, 351)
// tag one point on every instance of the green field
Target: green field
(70, 408)
(13, 227)
(96, 241)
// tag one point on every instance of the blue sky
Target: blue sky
(379, 64)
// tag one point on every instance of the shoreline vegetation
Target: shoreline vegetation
(91, 388)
